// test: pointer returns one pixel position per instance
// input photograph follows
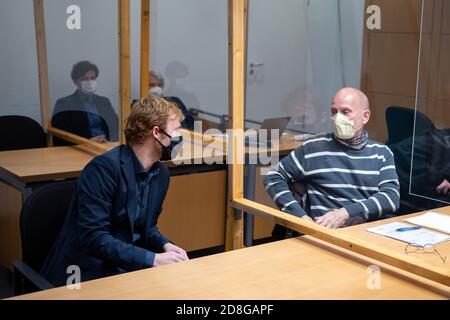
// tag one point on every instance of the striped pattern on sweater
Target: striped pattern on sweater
(364, 181)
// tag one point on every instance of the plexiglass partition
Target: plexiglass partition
(429, 146)
(83, 67)
(299, 53)
(19, 87)
(189, 57)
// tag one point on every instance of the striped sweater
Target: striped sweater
(364, 181)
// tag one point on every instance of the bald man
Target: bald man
(349, 179)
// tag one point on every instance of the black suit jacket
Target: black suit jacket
(188, 121)
(97, 234)
(69, 115)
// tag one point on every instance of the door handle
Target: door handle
(253, 65)
(256, 64)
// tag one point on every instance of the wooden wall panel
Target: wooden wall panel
(446, 18)
(389, 72)
(443, 90)
(193, 214)
(392, 65)
(377, 125)
(404, 15)
(442, 109)
(11, 205)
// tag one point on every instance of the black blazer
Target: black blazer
(69, 115)
(188, 121)
(97, 234)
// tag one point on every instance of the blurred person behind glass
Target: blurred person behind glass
(156, 87)
(85, 113)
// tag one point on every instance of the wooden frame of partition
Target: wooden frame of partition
(145, 46)
(125, 64)
(41, 48)
(124, 75)
(234, 235)
(238, 204)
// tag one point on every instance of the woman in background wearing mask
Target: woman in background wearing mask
(156, 87)
(84, 113)
(349, 179)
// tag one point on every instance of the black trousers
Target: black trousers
(280, 232)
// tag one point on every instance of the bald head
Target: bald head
(352, 96)
(354, 105)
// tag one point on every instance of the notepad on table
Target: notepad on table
(419, 237)
(432, 220)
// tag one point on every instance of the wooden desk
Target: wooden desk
(301, 268)
(359, 232)
(24, 170)
(34, 165)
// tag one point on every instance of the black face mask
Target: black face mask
(171, 151)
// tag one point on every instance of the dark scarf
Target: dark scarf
(357, 142)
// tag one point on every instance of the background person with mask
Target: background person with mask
(302, 105)
(84, 113)
(110, 227)
(349, 179)
(156, 87)
(427, 185)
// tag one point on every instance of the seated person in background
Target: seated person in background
(444, 187)
(156, 87)
(302, 105)
(349, 179)
(431, 170)
(111, 225)
(84, 113)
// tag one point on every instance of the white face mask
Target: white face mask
(89, 87)
(156, 91)
(343, 128)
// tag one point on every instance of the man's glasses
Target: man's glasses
(428, 248)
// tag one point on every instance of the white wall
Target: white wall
(190, 48)
(19, 89)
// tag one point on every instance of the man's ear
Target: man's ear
(154, 132)
(366, 115)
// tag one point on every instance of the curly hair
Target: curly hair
(79, 69)
(147, 113)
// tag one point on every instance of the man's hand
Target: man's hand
(169, 247)
(333, 219)
(444, 187)
(99, 139)
(166, 258)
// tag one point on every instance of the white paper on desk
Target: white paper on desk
(432, 220)
(419, 237)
